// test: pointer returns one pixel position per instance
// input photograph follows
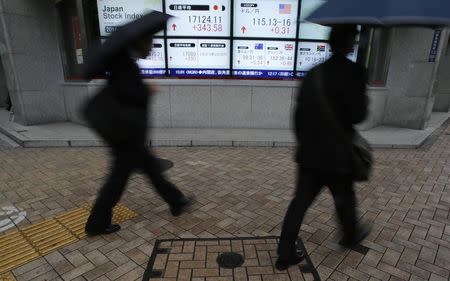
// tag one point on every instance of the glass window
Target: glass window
(72, 38)
(310, 30)
(376, 50)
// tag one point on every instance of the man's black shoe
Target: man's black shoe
(108, 230)
(182, 205)
(283, 264)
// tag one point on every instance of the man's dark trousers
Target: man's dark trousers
(127, 159)
(309, 186)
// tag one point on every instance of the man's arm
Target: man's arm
(358, 102)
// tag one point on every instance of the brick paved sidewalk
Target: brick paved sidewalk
(241, 192)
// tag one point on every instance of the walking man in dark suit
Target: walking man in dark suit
(120, 118)
(325, 145)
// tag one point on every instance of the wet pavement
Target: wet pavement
(241, 193)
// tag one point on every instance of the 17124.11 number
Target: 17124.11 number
(205, 19)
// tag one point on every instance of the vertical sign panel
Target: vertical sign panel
(198, 18)
(435, 45)
(199, 57)
(261, 59)
(265, 18)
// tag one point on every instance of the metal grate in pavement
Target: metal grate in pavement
(192, 259)
(36, 240)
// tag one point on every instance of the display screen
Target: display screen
(353, 56)
(198, 18)
(155, 63)
(199, 57)
(234, 38)
(114, 13)
(311, 54)
(254, 58)
(265, 18)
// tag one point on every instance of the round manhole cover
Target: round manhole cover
(230, 260)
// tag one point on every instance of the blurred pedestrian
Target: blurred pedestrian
(119, 115)
(332, 99)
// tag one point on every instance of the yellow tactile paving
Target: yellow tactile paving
(74, 221)
(48, 235)
(122, 213)
(16, 250)
(7, 277)
(24, 245)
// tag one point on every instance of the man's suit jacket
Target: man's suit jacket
(324, 137)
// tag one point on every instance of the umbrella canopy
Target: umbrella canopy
(383, 12)
(100, 56)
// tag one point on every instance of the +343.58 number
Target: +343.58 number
(206, 23)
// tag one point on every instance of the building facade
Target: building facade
(43, 45)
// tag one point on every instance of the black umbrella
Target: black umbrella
(100, 56)
(383, 12)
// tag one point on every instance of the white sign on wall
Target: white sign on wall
(195, 19)
(311, 54)
(265, 18)
(114, 13)
(198, 18)
(201, 57)
(263, 58)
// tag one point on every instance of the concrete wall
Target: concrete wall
(31, 59)
(205, 103)
(442, 91)
(220, 103)
(377, 102)
(410, 80)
